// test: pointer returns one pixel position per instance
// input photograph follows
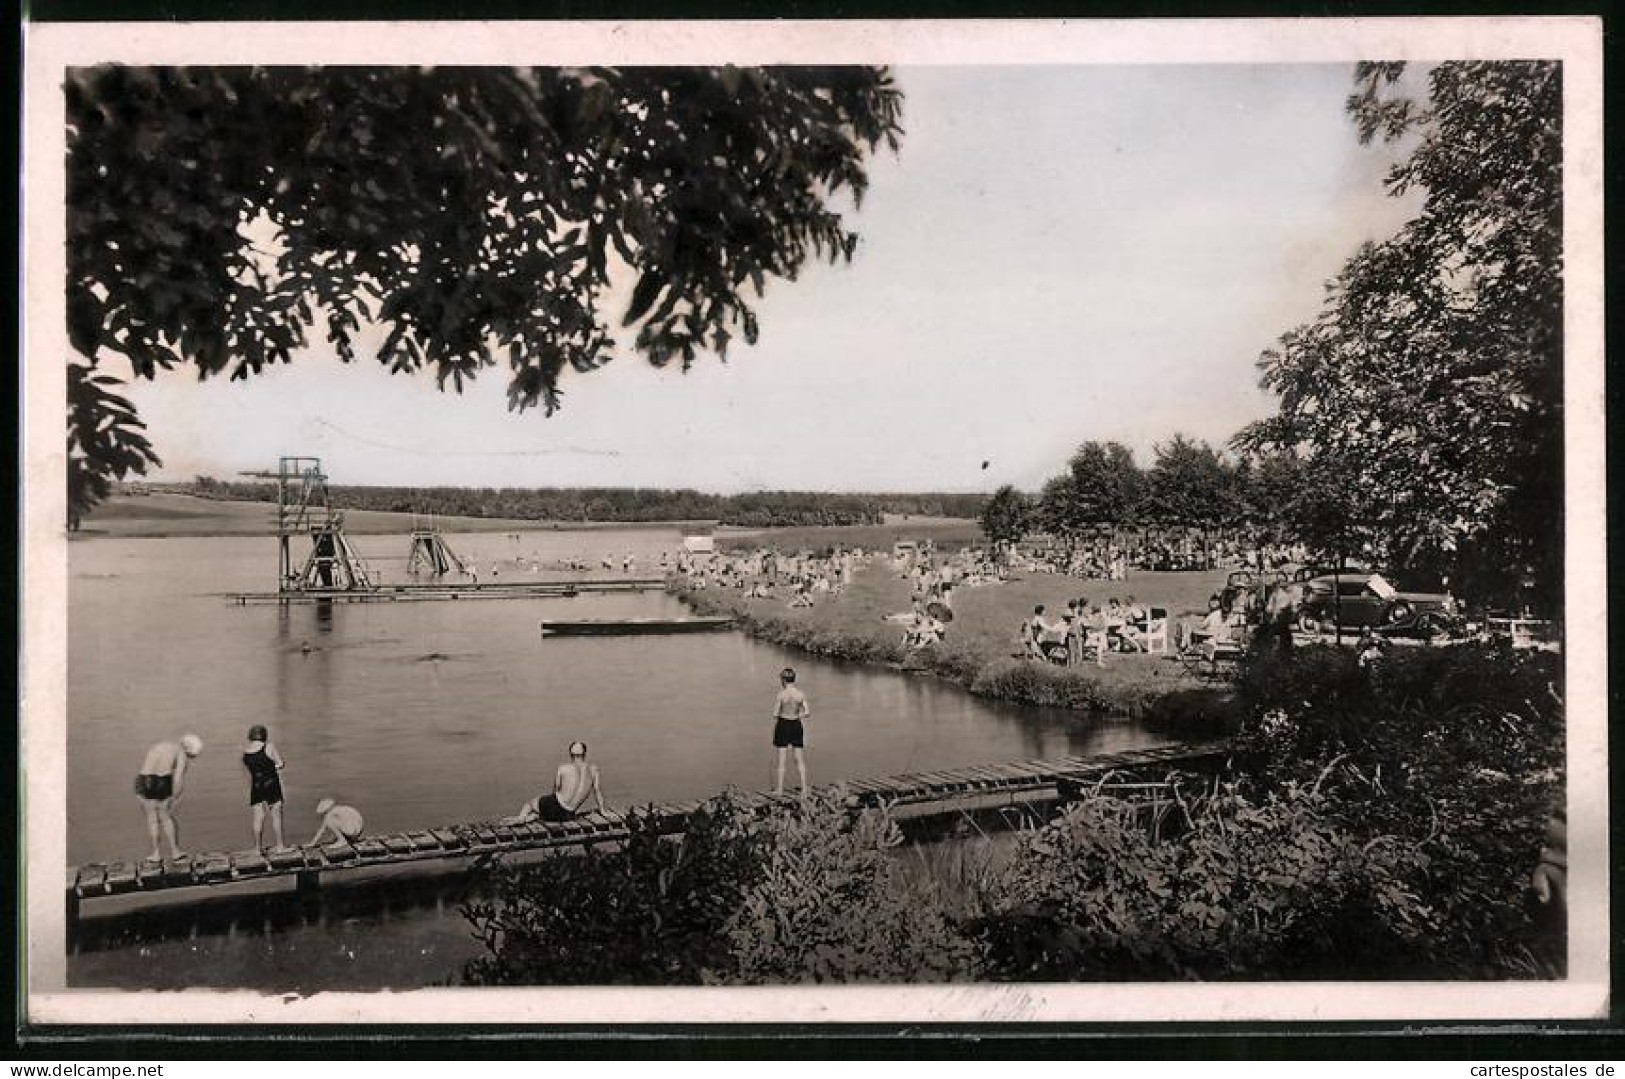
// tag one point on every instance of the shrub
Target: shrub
(1458, 752)
(832, 904)
(809, 894)
(1247, 889)
(653, 913)
(1048, 686)
(1204, 713)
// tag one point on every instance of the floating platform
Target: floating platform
(446, 590)
(214, 875)
(619, 627)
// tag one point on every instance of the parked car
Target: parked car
(1306, 573)
(1354, 601)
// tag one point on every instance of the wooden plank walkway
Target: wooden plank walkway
(616, 627)
(308, 864)
(444, 590)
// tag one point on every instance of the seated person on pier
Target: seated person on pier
(342, 821)
(573, 784)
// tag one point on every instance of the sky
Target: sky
(1056, 254)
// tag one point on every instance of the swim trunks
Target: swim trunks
(155, 788)
(549, 808)
(789, 733)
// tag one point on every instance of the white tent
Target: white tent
(699, 545)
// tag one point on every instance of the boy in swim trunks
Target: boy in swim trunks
(159, 786)
(789, 709)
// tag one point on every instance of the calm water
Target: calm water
(423, 714)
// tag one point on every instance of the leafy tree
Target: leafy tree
(1100, 487)
(1190, 485)
(1430, 385)
(1267, 486)
(475, 216)
(104, 428)
(1006, 516)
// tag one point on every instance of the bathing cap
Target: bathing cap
(324, 805)
(192, 744)
(578, 749)
(257, 733)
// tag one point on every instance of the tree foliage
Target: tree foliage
(1456, 754)
(1190, 484)
(475, 217)
(1007, 516)
(1100, 488)
(751, 509)
(1430, 385)
(103, 426)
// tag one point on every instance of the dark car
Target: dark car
(1354, 601)
(1305, 574)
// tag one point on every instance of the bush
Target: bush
(1194, 713)
(832, 904)
(808, 894)
(651, 914)
(1043, 684)
(1244, 889)
(1455, 751)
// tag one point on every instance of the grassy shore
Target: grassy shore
(978, 653)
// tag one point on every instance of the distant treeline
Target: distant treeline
(761, 509)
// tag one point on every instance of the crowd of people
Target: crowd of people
(160, 784)
(800, 579)
(1087, 632)
(1111, 559)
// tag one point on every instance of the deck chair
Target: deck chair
(1212, 659)
(1156, 631)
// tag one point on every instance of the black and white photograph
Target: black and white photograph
(853, 522)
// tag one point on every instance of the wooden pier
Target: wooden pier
(446, 590)
(621, 627)
(975, 787)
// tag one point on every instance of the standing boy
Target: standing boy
(789, 736)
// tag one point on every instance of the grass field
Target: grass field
(979, 650)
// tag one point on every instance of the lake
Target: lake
(428, 713)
